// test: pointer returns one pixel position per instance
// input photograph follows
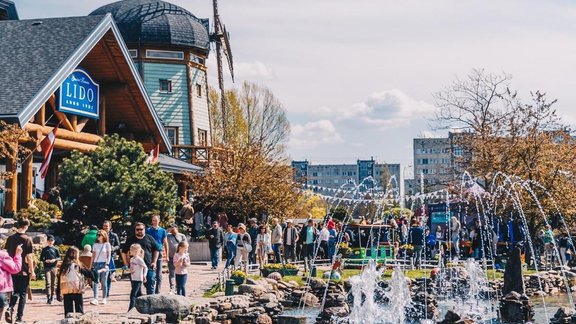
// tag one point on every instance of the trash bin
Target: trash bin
(229, 291)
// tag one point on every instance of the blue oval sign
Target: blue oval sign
(79, 95)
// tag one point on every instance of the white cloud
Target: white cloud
(382, 110)
(254, 70)
(314, 134)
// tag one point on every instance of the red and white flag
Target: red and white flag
(153, 156)
(47, 146)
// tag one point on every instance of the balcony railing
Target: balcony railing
(201, 155)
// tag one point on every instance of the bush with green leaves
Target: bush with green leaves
(113, 180)
(40, 214)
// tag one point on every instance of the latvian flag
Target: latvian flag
(47, 146)
(153, 156)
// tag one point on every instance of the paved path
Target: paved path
(200, 278)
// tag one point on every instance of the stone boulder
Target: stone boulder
(275, 275)
(254, 290)
(174, 306)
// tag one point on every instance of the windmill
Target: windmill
(222, 40)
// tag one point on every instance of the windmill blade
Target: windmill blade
(227, 50)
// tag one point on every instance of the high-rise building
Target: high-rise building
(338, 175)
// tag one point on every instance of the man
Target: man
(161, 237)
(416, 239)
(115, 244)
(21, 280)
(215, 241)
(89, 237)
(276, 239)
(455, 235)
(290, 239)
(253, 232)
(187, 211)
(308, 235)
(174, 238)
(50, 257)
(151, 253)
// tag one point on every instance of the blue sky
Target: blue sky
(357, 76)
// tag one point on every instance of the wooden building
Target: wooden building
(38, 56)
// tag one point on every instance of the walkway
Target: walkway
(200, 278)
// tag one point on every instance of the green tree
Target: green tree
(113, 180)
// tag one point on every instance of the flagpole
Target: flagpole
(37, 146)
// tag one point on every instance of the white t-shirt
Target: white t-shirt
(324, 234)
(101, 252)
(138, 269)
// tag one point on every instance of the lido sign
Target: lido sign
(79, 94)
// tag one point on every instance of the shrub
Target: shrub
(40, 214)
(238, 274)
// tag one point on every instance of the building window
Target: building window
(170, 55)
(458, 151)
(197, 59)
(198, 90)
(133, 53)
(202, 137)
(165, 85)
(172, 134)
(314, 174)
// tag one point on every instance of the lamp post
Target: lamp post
(402, 190)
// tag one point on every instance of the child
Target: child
(70, 282)
(181, 263)
(138, 270)
(50, 257)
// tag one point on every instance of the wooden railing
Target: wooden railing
(201, 155)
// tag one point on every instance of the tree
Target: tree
(310, 205)
(255, 119)
(500, 133)
(114, 180)
(12, 138)
(248, 186)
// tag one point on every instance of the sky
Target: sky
(357, 77)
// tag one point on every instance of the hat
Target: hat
(50, 237)
(253, 220)
(241, 225)
(288, 221)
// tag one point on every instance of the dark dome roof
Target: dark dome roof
(157, 22)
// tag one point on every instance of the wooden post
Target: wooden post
(102, 120)
(74, 122)
(12, 184)
(27, 181)
(40, 117)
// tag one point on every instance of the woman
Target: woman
(263, 245)
(8, 266)
(231, 239)
(70, 282)
(244, 247)
(102, 250)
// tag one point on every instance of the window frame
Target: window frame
(168, 83)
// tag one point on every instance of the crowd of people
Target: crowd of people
(66, 278)
(262, 243)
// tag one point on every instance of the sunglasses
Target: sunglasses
(139, 229)
(98, 235)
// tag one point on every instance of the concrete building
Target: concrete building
(336, 175)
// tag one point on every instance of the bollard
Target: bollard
(313, 272)
(229, 288)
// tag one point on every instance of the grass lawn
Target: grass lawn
(37, 284)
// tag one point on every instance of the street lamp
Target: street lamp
(402, 191)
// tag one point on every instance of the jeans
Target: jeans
(418, 256)
(276, 247)
(181, 284)
(230, 254)
(3, 302)
(158, 275)
(21, 284)
(215, 256)
(456, 245)
(102, 278)
(331, 250)
(50, 276)
(289, 253)
(135, 292)
(171, 272)
(323, 252)
(150, 281)
(73, 303)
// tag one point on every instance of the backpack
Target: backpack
(72, 282)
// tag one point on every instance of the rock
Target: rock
(289, 319)
(268, 297)
(251, 281)
(513, 296)
(335, 311)
(563, 312)
(255, 290)
(91, 318)
(224, 306)
(174, 306)
(452, 316)
(264, 319)
(317, 283)
(310, 300)
(276, 276)
(202, 320)
(293, 283)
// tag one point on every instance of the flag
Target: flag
(153, 156)
(47, 146)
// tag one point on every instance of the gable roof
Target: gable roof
(38, 54)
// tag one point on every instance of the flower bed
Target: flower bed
(283, 269)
